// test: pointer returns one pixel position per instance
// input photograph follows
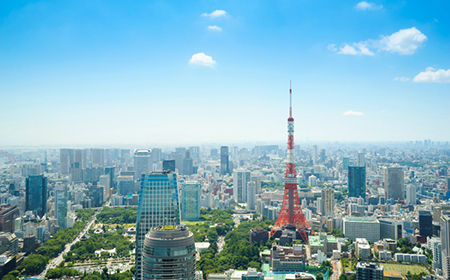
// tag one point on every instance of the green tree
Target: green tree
(319, 276)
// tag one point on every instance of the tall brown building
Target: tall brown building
(8, 213)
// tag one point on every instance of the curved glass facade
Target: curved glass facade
(168, 254)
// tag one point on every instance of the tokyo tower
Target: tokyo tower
(291, 212)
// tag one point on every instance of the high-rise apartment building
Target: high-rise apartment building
(322, 156)
(328, 201)
(357, 181)
(257, 180)
(76, 172)
(445, 244)
(240, 179)
(142, 162)
(394, 183)
(224, 160)
(169, 253)
(190, 200)
(158, 205)
(251, 195)
(61, 206)
(65, 159)
(36, 195)
(411, 194)
(360, 159)
(98, 157)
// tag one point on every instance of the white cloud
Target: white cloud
(356, 49)
(202, 59)
(215, 14)
(364, 6)
(214, 28)
(332, 47)
(403, 42)
(431, 75)
(353, 113)
(402, 79)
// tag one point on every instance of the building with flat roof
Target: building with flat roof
(369, 271)
(358, 227)
(8, 214)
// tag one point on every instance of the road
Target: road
(56, 261)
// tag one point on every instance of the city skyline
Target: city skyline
(109, 74)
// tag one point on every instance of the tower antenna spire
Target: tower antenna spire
(290, 96)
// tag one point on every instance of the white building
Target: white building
(240, 179)
(251, 195)
(411, 197)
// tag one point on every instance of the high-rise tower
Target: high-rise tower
(291, 211)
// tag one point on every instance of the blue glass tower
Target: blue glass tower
(36, 195)
(357, 181)
(190, 200)
(158, 206)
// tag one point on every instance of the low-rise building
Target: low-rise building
(357, 227)
(287, 259)
(372, 271)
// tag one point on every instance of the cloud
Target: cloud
(215, 14)
(403, 42)
(402, 79)
(332, 47)
(202, 59)
(356, 49)
(214, 28)
(364, 6)
(353, 113)
(431, 75)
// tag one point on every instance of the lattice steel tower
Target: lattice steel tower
(291, 212)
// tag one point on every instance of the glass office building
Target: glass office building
(158, 206)
(357, 181)
(190, 200)
(169, 253)
(36, 195)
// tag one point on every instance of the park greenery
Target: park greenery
(237, 252)
(85, 250)
(337, 233)
(271, 185)
(214, 223)
(118, 215)
(35, 263)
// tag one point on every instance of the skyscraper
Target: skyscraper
(360, 160)
(169, 253)
(178, 161)
(125, 185)
(257, 180)
(251, 195)
(240, 179)
(224, 160)
(357, 181)
(445, 244)
(142, 162)
(65, 159)
(394, 183)
(36, 195)
(425, 223)
(345, 164)
(411, 196)
(314, 154)
(190, 200)
(328, 201)
(98, 157)
(322, 156)
(188, 163)
(61, 206)
(158, 205)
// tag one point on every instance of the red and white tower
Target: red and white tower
(291, 212)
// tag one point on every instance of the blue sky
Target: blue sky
(193, 72)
